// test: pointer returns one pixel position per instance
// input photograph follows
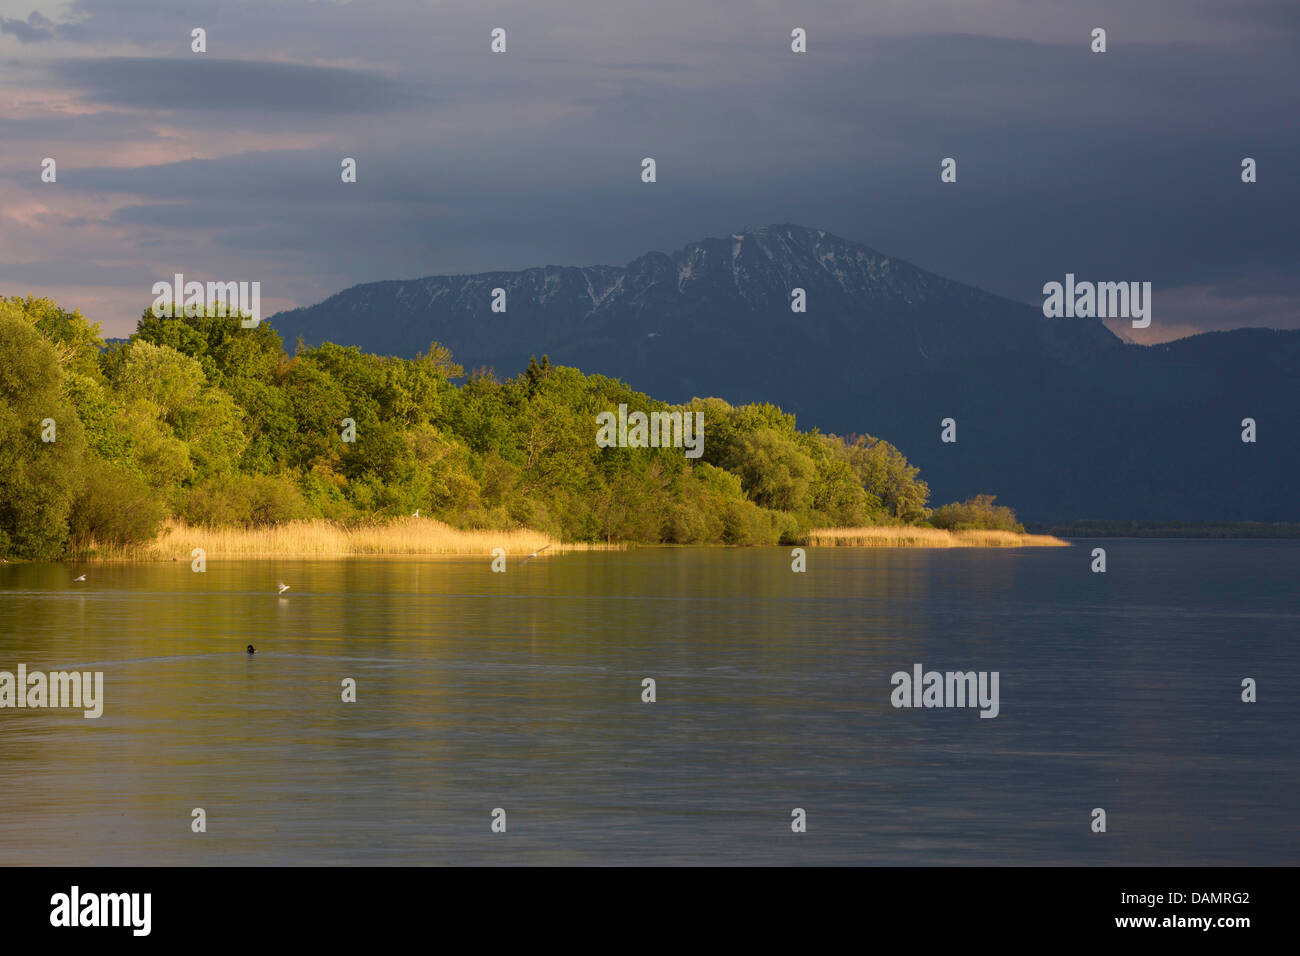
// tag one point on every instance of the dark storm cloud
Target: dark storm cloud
(102, 127)
(286, 176)
(35, 29)
(1131, 171)
(1121, 166)
(54, 271)
(1280, 284)
(205, 84)
(1273, 15)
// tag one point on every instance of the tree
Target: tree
(38, 478)
(776, 472)
(116, 507)
(885, 473)
(200, 417)
(76, 341)
(978, 512)
(160, 375)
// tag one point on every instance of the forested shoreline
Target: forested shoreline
(197, 419)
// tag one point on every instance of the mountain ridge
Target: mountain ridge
(913, 282)
(1058, 415)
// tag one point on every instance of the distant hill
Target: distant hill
(1058, 417)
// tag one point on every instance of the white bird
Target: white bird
(82, 578)
(533, 555)
(282, 586)
(417, 513)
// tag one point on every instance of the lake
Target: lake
(523, 691)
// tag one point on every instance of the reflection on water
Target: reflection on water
(523, 691)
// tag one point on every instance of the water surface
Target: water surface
(523, 690)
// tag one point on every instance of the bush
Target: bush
(116, 507)
(273, 500)
(249, 500)
(976, 513)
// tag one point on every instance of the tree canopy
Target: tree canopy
(199, 418)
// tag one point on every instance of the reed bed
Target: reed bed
(322, 538)
(885, 536)
(426, 536)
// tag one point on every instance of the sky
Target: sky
(225, 165)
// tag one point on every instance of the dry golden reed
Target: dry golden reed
(322, 538)
(423, 536)
(884, 536)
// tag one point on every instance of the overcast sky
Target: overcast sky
(225, 165)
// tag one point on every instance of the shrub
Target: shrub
(116, 507)
(248, 500)
(976, 513)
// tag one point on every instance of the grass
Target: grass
(423, 536)
(885, 536)
(322, 538)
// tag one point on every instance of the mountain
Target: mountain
(1059, 417)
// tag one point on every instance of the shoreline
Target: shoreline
(1175, 530)
(909, 536)
(322, 538)
(423, 537)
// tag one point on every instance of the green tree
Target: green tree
(38, 479)
(978, 512)
(887, 474)
(77, 342)
(116, 506)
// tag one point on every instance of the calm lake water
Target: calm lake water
(523, 690)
